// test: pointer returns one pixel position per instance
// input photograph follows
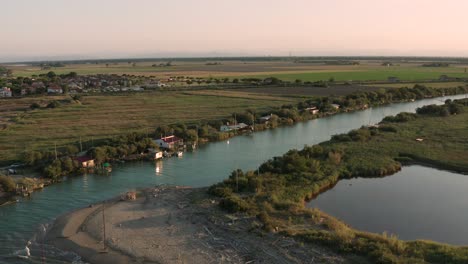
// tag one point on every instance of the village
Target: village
(73, 83)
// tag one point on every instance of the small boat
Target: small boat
(107, 167)
(179, 154)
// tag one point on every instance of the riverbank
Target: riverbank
(134, 144)
(277, 190)
(178, 225)
(207, 166)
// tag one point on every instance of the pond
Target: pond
(415, 203)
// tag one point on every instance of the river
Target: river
(209, 164)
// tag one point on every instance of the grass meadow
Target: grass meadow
(285, 70)
(103, 116)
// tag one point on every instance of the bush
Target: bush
(7, 183)
(53, 104)
(399, 118)
(234, 204)
(34, 106)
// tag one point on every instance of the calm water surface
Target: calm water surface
(415, 203)
(211, 163)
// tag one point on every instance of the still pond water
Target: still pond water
(415, 203)
(209, 164)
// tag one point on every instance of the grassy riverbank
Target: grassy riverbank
(437, 136)
(97, 117)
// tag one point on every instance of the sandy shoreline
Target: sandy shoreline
(176, 225)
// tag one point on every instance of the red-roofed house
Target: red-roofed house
(5, 92)
(85, 161)
(55, 89)
(169, 142)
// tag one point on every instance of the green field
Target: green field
(285, 70)
(103, 116)
(431, 84)
(377, 74)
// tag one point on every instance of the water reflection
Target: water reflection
(415, 203)
(158, 167)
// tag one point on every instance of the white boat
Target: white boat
(179, 153)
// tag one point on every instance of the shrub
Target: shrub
(53, 104)
(7, 183)
(233, 203)
(34, 106)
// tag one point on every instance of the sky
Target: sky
(65, 29)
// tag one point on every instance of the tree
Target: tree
(32, 157)
(54, 170)
(99, 154)
(7, 183)
(67, 165)
(51, 75)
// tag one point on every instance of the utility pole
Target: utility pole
(237, 182)
(81, 146)
(55, 150)
(103, 228)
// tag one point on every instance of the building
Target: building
(85, 161)
(336, 106)
(169, 142)
(54, 89)
(5, 92)
(313, 110)
(227, 128)
(155, 154)
(265, 119)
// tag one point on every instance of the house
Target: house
(265, 119)
(155, 154)
(54, 89)
(35, 86)
(336, 106)
(169, 142)
(74, 88)
(313, 110)
(85, 161)
(5, 92)
(393, 79)
(227, 128)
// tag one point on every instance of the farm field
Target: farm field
(433, 85)
(285, 70)
(360, 73)
(103, 116)
(310, 91)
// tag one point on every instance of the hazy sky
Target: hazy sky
(120, 28)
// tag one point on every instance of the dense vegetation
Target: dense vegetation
(277, 191)
(54, 165)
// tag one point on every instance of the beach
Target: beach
(176, 225)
